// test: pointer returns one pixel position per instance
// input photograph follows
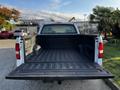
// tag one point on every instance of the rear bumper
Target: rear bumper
(37, 77)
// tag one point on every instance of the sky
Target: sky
(62, 6)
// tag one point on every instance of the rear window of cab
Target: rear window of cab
(59, 29)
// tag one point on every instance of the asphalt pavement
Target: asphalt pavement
(8, 63)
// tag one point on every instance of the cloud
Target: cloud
(66, 3)
(108, 3)
(57, 4)
(47, 14)
(7, 5)
(10, 6)
(57, 16)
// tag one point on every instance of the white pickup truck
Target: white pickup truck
(63, 54)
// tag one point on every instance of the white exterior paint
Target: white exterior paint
(22, 51)
(96, 50)
(98, 60)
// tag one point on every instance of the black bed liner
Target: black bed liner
(59, 64)
(59, 71)
(58, 55)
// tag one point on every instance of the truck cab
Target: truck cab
(63, 54)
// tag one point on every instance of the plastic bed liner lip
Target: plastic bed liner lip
(69, 72)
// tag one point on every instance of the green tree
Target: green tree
(102, 16)
(115, 21)
(108, 19)
(9, 13)
(2, 20)
(6, 14)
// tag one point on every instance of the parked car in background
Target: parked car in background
(20, 33)
(6, 34)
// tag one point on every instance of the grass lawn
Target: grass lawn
(112, 60)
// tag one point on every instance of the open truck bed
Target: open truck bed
(62, 57)
(59, 56)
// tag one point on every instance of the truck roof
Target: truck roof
(58, 23)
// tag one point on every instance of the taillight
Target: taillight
(17, 48)
(100, 52)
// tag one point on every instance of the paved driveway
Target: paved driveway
(7, 63)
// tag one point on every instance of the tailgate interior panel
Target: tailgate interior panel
(59, 71)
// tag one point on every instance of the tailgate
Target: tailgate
(59, 71)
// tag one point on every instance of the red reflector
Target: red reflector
(18, 56)
(100, 55)
(17, 48)
(100, 52)
(100, 46)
